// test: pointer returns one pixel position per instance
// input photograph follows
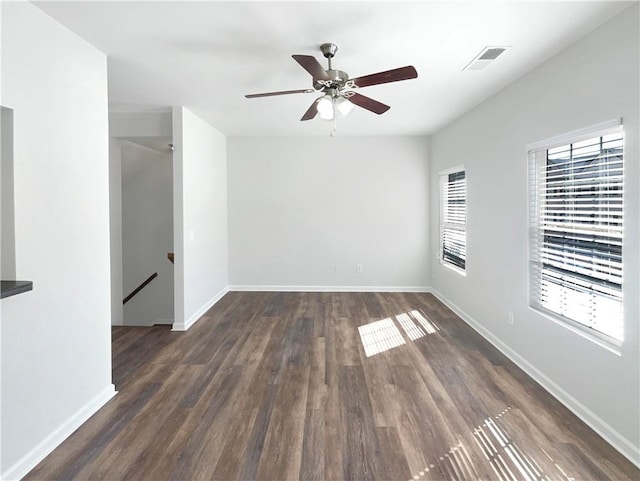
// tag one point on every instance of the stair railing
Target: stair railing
(139, 288)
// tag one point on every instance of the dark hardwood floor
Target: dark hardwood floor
(327, 386)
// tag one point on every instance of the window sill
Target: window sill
(610, 344)
(453, 268)
(13, 288)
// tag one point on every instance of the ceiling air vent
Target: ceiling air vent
(484, 58)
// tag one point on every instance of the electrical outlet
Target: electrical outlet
(511, 320)
(359, 268)
(336, 269)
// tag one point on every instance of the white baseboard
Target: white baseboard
(53, 440)
(163, 321)
(178, 326)
(269, 288)
(609, 434)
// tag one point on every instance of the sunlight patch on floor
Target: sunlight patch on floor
(413, 332)
(508, 461)
(380, 336)
(429, 327)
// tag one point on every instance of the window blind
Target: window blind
(576, 231)
(454, 218)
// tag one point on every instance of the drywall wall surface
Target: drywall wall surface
(115, 229)
(305, 213)
(1, 241)
(56, 339)
(200, 216)
(593, 81)
(140, 124)
(7, 217)
(147, 235)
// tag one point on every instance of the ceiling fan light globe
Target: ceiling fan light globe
(327, 115)
(344, 106)
(325, 108)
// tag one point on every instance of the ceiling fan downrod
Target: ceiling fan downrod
(329, 51)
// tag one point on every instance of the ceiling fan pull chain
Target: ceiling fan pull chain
(335, 118)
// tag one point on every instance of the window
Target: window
(453, 218)
(576, 189)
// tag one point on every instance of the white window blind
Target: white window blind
(576, 231)
(453, 218)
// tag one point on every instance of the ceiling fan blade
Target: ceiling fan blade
(311, 65)
(369, 104)
(312, 112)
(402, 73)
(284, 92)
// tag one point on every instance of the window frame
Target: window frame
(442, 182)
(534, 200)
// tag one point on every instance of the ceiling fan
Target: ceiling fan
(339, 90)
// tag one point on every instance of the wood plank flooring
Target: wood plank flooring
(326, 386)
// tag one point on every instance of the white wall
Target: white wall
(140, 124)
(2, 152)
(115, 229)
(302, 208)
(147, 234)
(56, 339)
(200, 216)
(7, 217)
(594, 80)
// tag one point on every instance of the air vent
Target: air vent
(484, 58)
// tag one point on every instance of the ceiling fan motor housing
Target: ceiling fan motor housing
(337, 80)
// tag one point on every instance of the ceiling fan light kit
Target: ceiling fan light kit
(338, 90)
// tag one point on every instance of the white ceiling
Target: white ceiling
(207, 55)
